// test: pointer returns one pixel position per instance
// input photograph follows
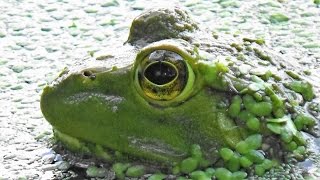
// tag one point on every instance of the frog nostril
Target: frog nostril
(89, 74)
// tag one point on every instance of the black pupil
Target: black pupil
(160, 73)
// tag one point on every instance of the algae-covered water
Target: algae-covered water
(39, 38)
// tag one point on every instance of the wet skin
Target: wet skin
(175, 88)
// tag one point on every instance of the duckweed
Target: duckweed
(235, 106)
(233, 164)
(210, 172)
(242, 147)
(188, 165)
(259, 41)
(239, 175)
(253, 124)
(135, 171)
(237, 46)
(119, 169)
(226, 153)
(245, 162)
(157, 177)
(255, 156)
(261, 55)
(278, 18)
(223, 174)
(302, 87)
(257, 108)
(304, 120)
(286, 136)
(200, 175)
(254, 141)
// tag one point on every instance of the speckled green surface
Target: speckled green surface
(39, 38)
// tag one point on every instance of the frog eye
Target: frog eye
(163, 75)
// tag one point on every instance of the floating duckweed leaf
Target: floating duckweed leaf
(258, 96)
(235, 107)
(233, 164)
(267, 164)
(278, 18)
(254, 87)
(237, 46)
(93, 171)
(286, 136)
(239, 175)
(119, 169)
(245, 115)
(262, 55)
(242, 147)
(157, 177)
(226, 153)
(259, 170)
(261, 108)
(303, 119)
(259, 41)
(175, 170)
(254, 141)
(257, 80)
(199, 175)
(223, 174)
(188, 165)
(292, 74)
(274, 127)
(299, 139)
(300, 150)
(100, 152)
(292, 146)
(302, 87)
(135, 171)
(257, 108)
(253, 124)
(255, 156)
(279, 120)
(245, 162)
(260, 71)
(210, 172)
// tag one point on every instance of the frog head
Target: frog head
(157, 106)
(176, 85)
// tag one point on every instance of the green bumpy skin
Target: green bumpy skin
(218, 112)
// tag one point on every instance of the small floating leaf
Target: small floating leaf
(242, 147)
(278, 18)
(274, 127)
(188, 165)
(254, 141)
(233, 164)
(223, 174)
(278, 120)
(226, 153)
(245, 162)
(135, 171)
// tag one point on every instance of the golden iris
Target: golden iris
(162, 75)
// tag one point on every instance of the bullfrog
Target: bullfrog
(175, 94)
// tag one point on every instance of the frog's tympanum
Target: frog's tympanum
(176, 95)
